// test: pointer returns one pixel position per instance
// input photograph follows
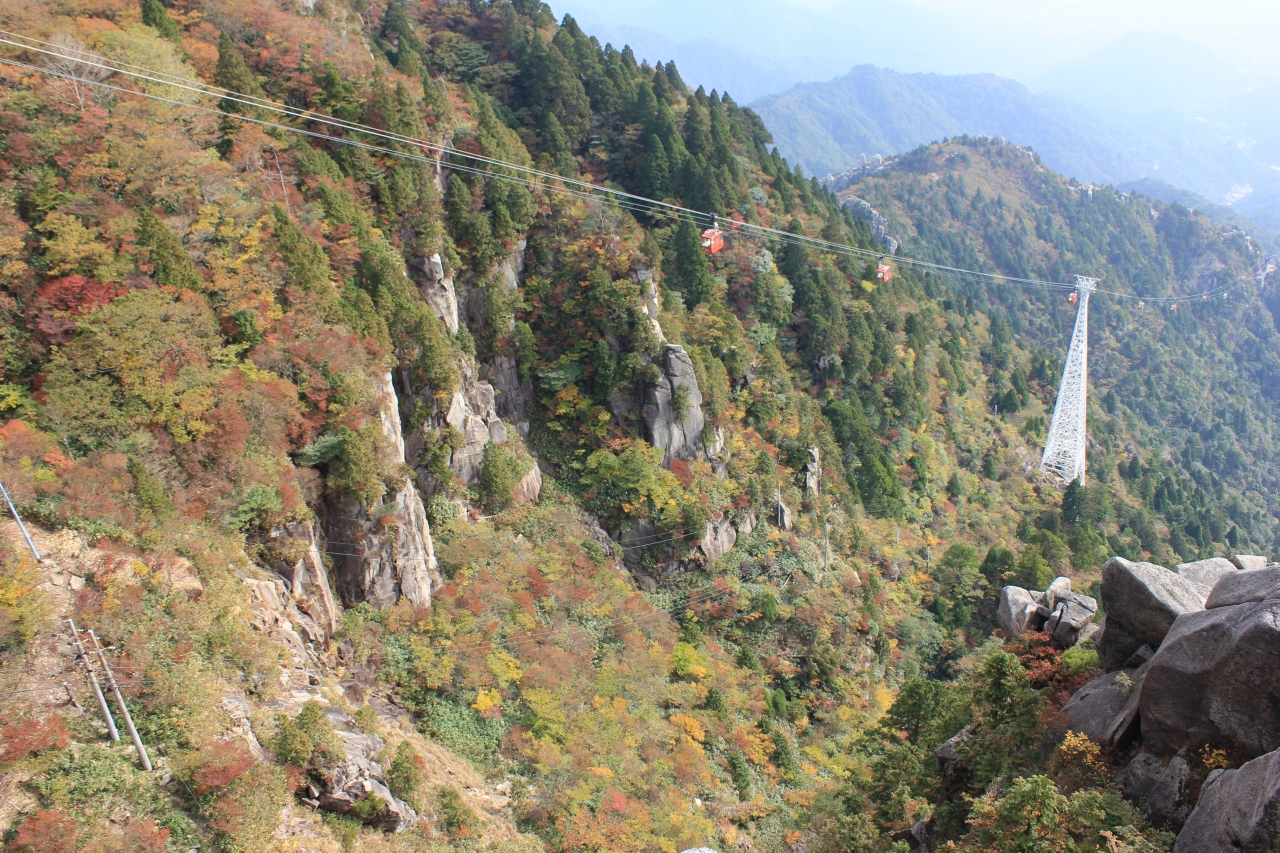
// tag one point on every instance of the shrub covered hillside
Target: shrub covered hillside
(423, 508)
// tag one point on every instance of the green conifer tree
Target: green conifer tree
(154, 15)
(170, 265)
(692, 272)
(306, 264)
(231, 73)
(655, 172)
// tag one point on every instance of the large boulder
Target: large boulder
(1249, 562)
(1142, 601)
(952, 767)
(1017, 611)
(1205, 572)
(1215, 680)
(1163, 789)
(1245, 587)
(1091, 709)
(719, 539)
(1238, 811)
(1106, 709)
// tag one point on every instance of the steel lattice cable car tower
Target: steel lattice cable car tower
(1065, 447)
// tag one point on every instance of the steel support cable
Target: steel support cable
(629, 201)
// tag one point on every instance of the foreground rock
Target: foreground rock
(1106, 709)
(1163, 788)
(1245, 587)
(1065, 615)
(1142, 601)
(1216, 679)
(1239, 810)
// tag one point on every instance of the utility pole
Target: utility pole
(93, 681)
(25, 535)
(124, 709)
(1064, 449)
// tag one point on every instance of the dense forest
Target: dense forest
(681, 550)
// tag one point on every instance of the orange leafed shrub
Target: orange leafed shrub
(32, 737)
(45, 832)
(223, 763)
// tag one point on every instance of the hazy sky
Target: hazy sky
(1020, 38)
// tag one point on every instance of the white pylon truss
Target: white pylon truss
(1065, 446)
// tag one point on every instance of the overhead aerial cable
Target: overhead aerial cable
(567, 186)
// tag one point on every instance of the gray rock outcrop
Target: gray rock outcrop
(1106, 709)
(1238, 811)
(360, 777)
(813, 472)
(1244, 587)
(436, 289)
(1142, 600)
(387, 549)
(1070, 618)
(1213, 680)
(952, 767)
(1205, 572)
(473, 412)
(1249, 562)
(1067, 616)
(1017, 611)
(1092, 710)
(719, 539)
(293, 552)
(530, 485)
(677, 433)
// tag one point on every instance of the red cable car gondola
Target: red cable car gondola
(712, 240)
(883, 272)
(1074, 298)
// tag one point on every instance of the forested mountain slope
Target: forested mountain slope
(367, 466)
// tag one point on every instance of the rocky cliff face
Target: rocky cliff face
(384, 552)
(672, 412)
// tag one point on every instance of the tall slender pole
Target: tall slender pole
(25, 535)
(93, 680)
(124, 709)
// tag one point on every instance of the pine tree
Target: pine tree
(231, 73)
(691, 264)
(170, 265)
(697, 130)
(1071, 501)
(154, 15)
(306, 263)
(655, 173)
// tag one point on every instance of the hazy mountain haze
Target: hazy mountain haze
(1181, 92)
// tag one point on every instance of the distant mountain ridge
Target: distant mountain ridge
(828, 127)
